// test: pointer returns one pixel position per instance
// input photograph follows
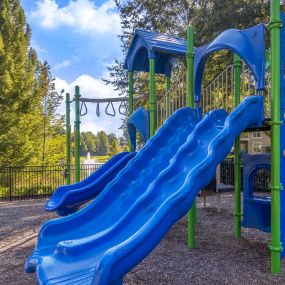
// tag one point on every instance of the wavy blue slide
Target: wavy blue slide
(67, 199)
(100, 243)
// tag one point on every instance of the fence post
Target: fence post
(10, 184)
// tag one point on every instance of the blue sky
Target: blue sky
(79, 40)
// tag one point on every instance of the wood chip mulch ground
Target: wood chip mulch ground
(217, 259)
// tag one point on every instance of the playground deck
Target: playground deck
(218, 258)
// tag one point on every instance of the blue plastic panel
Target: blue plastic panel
(163, 48)
(102, 242)
(249, 44)
(67, 199)
(256, 209)
(138, 121)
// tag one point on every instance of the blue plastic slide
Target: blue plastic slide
(103, 241)
(67, 199)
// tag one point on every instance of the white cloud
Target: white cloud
(81, 15)
(66, 63)
(37, 48)
(91, 87)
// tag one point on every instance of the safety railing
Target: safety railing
(173, 99)
(220, 92)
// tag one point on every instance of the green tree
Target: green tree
(88, 143)
(114, 147)
(17, 69)
(208, 17)
(55, 149)
(28, 100)
(52, 123)
(103, 146)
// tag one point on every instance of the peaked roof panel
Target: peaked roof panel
(163, 48)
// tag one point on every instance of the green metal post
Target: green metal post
(77, 134)
(152, 103)
(190, 67)
(131, 92)
(68, 135)
(131, 97)
(189, 103)
(275, 25)
(168, 80)
(237, 163)
(191, 226)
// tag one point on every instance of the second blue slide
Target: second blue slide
(67, 199)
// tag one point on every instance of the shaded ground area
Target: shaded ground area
(218, 258)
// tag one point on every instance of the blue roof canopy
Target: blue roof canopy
(249, 44)
(163, 48)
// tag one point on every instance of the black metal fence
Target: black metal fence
(29, 182)
(227, 171)
(261, 178)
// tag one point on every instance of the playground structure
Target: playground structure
(80, 111)
(102, 242)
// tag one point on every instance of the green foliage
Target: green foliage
(208, 17)
(55, 149)
(88, 143)
(114, 145)
(101, 144)
(28, 100)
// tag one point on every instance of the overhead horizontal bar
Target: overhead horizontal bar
(104, 100)
(108, 100)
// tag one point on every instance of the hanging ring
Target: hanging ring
(113, 112)
(123, 109)
(83, 104)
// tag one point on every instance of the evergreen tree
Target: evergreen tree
(52, 123)
(88, 143)
(27, 97)
(17, 67)
(103, 146)
(208, 17)
(114, 147)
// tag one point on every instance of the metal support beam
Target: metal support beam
(190, 67)
(131, 92)
(237, 159)
(275, 26)
(77, 134)
(131, 97)
(152, 101)
(189, 103)
(104, 100)
(68, 136)
(168, 82)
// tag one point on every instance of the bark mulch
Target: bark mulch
(217, 259)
